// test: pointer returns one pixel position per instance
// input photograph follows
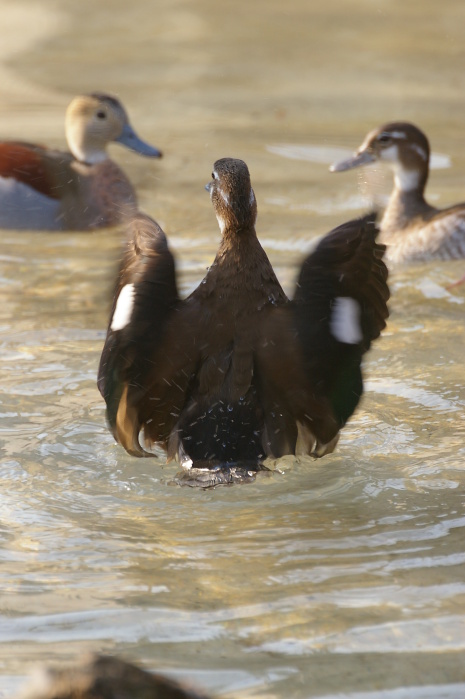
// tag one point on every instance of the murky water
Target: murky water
(337, 578)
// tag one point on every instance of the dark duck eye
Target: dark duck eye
(384, 138)
(101, 114)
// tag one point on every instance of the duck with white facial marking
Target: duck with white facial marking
(46, 189)
(412, 229)
(236, 372)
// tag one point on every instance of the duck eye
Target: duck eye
(101, 114)
(384, 138)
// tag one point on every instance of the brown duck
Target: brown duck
(46, 189)
(236, 372)
(412, 229)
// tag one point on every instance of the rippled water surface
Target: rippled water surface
(343, 577)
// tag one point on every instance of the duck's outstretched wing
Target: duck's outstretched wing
(312, 349)
(142, 357)
(347, 263)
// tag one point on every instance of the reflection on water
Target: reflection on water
(342, 577)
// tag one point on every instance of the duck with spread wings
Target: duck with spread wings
(237, 372)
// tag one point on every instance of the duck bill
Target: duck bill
(363, 158)
(131, 140)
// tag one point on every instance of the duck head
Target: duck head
(232, 195)
(399, 144)
(93, 121)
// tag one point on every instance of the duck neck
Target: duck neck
(89, 156)
(234, 237)
(407, 200)
(240, 249)
(84, 149)
(242, 269)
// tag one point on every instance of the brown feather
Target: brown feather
(236, 372)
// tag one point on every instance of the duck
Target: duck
(96, 675)
(237, 372)
(82, 189)
(412, 229)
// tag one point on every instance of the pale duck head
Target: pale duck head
(93, 121)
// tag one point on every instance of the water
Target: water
(342, 577)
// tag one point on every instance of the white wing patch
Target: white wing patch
(124, 306)
(344, 323)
